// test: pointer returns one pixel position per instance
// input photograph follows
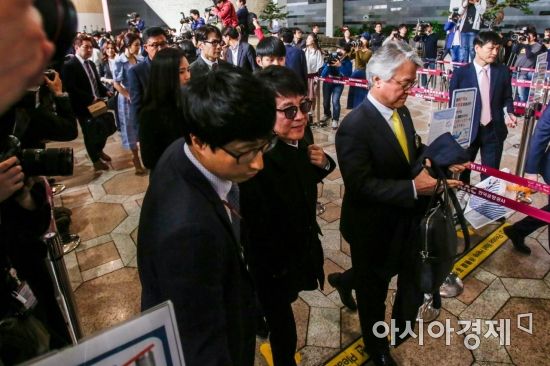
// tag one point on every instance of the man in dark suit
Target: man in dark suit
(83, 84)
(494, 86)
(189, 248)
(238, 53)
(154, 39)
(538, 162)
(295, 57)
(279, 208)
(377, 146)
(209, 41)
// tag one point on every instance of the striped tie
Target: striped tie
(400, 133)
(92, 78)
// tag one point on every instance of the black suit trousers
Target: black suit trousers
(94, 148)
(491, 150)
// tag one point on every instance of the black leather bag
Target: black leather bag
(438, 240)
(99, 128)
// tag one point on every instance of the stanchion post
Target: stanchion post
(318, 101)
(526, 133)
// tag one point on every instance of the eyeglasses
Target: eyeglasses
(161, 44)
(215, 42)
(406, 86)
(248, 156)
(292, 111)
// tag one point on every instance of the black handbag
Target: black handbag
(438, 240)
(99, 128)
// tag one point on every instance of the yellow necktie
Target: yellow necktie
(400, 133)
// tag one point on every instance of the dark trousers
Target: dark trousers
(371, 290)
(529, 224)
(491, 150)
(282, 327)
(93, 147)
(332, 94)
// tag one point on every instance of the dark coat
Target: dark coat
(538, 157)
(199, 67)
(296, 61)
(278, 206)
(379, 210)
(500, 92)
(246, 57)
(187, 253)
(138, 79)
(77, 84)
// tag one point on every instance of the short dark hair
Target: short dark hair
(375, 24)
(228, 104)
(194, 11)
(189, 50)
(485, 37)
(231, 32)
(402, 25)
(531, 30)
(128, 39)
(152, 32)
(243, 2)
(282, 81)
(271, 46)
(201, 34)
(164, 83)
(286, 34)
(82, 38)
(298, 30)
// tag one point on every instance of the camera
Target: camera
(185, 19)
(518, 36)
(59, 20)
(35, 162)
(454, 15)
(50, 74)
(332, 57)
(355, 43)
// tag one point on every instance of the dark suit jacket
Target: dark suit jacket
(138, 79)
(246, 57)
(77, 84)
(279, 208)
(378, 209)
(500, 92)
(199, 67)
(187, 253)
(296, 60)
(538, 161)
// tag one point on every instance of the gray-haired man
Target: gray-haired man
(376, 147)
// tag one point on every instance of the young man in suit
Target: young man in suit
(279, 208)
(494, 86)
(209, 41)
(377, 146)
(83, 84)
(189, 247)
(295, 57)
(154, 39)
(538, 162)
(238, 53)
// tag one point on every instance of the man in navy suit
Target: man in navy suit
(494, 86)
(189, 247)
(238, 53)
(377, 147)
(295, 57)
(209, 41)
(154, 40)
(538, 162)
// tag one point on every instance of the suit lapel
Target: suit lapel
(84, 75)
(409, 132)
(494, 76)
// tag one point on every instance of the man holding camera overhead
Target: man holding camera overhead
(224, 10)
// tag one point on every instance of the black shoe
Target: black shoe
(382, 359)
(517, 240)
(345, 292)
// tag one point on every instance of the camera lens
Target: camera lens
(48, 162)
(60, 22)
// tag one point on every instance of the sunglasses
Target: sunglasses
(292, 111)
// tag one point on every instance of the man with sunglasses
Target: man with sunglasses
(209, 41)
(189, 247)
(279, 207)
(154, 39)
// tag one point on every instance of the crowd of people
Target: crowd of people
(228, 228)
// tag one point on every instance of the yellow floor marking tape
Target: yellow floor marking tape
(355, 353)
(265, 350)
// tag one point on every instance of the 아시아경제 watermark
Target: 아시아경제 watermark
(474, 328)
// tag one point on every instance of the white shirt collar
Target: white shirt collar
(208, 62)
(221, 186)
(384, 111)
(478, 68)
(80, 58)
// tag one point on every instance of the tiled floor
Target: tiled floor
(104, 277)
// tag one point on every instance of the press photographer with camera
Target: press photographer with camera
(135, 21)
(198, 21)
(470, 22)
(356, 95)
(452, 40)
(224, 10)
(337, 64)
(428, 40)
(527, 49)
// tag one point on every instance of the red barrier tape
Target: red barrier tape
(531, 184)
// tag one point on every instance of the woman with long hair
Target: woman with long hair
(363, 54)
(314, 60)
(161, 118)
(128, 57)
(107, 67)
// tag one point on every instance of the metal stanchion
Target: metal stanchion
(318, 102)
(526, 133)
(452, 286)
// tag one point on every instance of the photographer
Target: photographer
(356, 95)
(337, 64)
(470, 23)
(398, 34)
(136, 22)
(198, 21)
(224, 10)
(452, 41)
(377, 38)
(527, 50)
(428, 40)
